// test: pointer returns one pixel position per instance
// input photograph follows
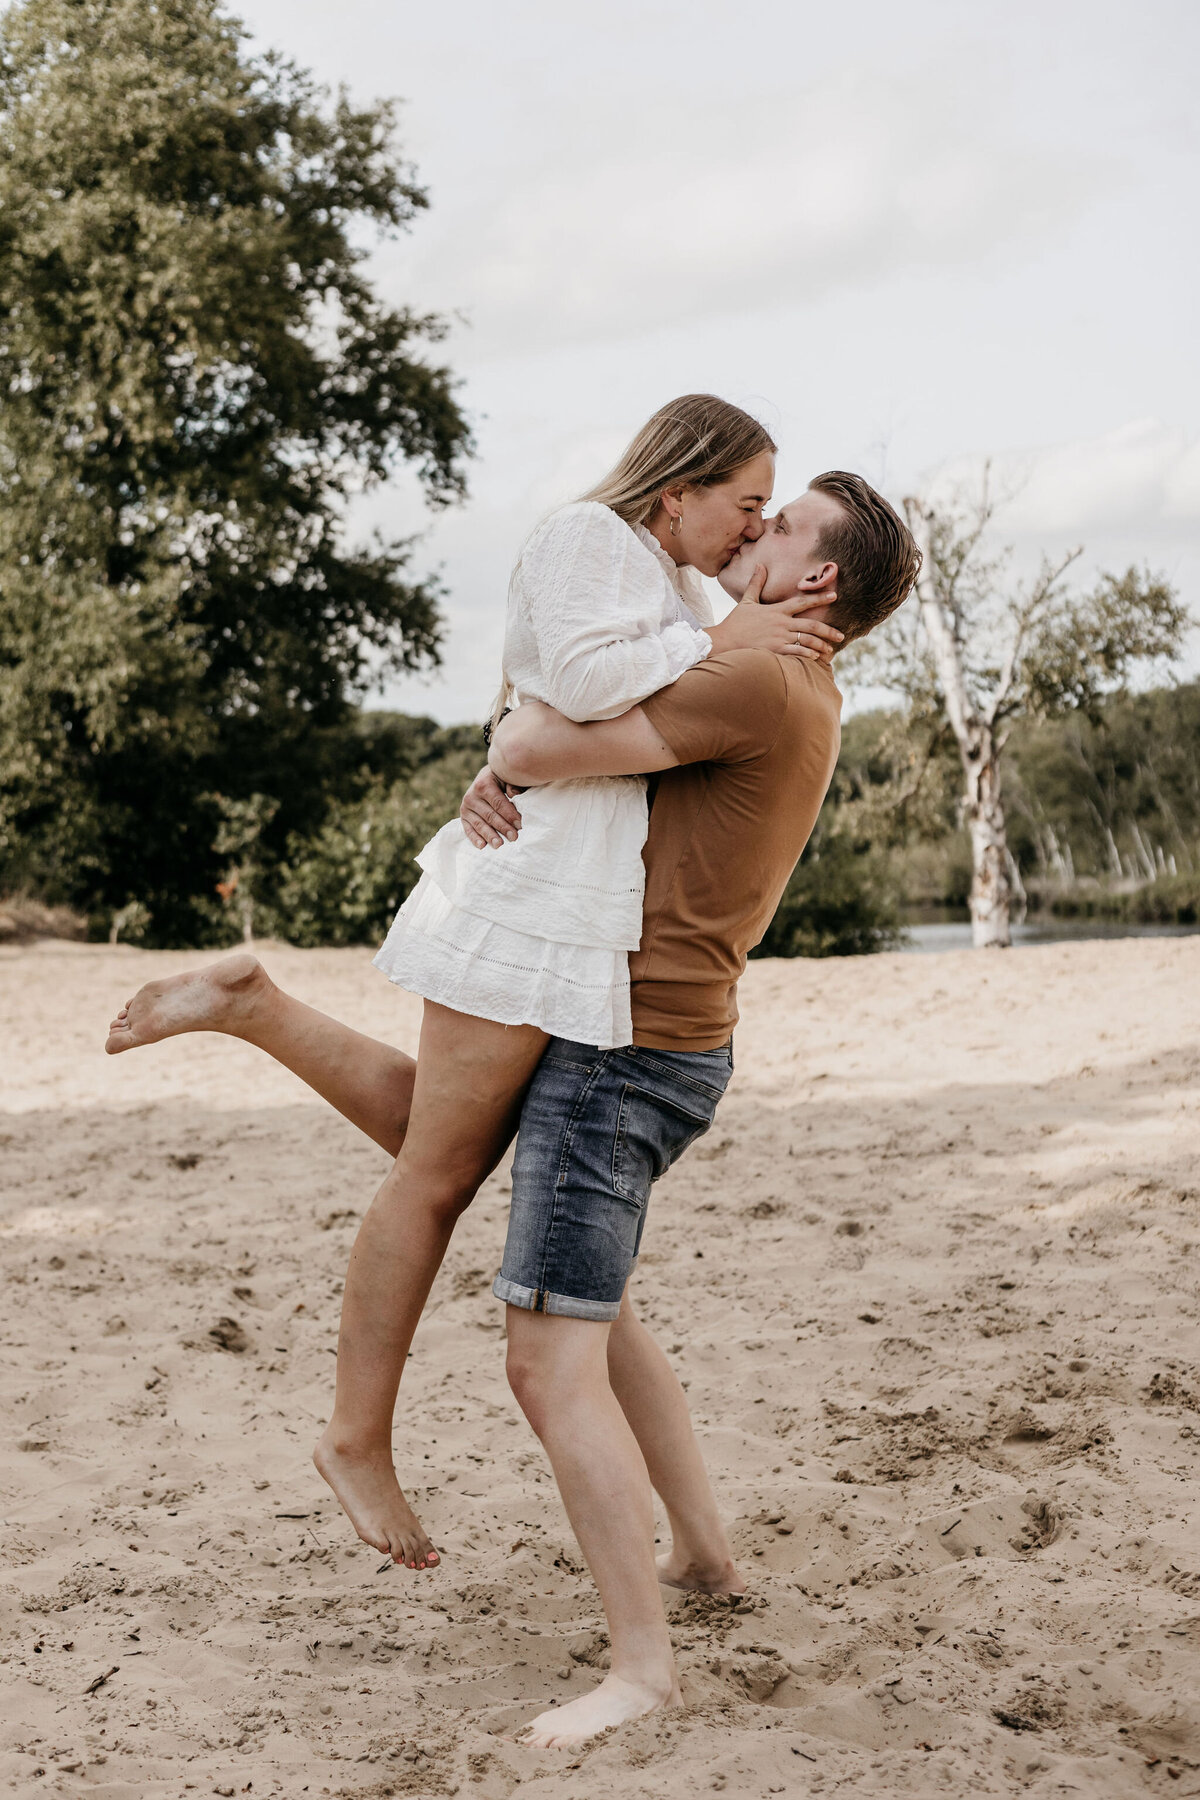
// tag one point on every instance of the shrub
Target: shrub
(343, 885)
(839, 902)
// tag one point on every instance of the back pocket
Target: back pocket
(651, 1133)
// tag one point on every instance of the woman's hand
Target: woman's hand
(779, 626)
(488, 815)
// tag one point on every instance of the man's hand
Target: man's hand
(778, 626)
(488, 815)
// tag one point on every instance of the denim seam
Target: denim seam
(702, 1125)
(618, 1144)
(674, 1074)
(571, 1305)
(563, 1161)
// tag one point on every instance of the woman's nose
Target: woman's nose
(754, 529)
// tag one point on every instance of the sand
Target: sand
(931, 1281)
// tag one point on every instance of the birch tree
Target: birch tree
(982, 647)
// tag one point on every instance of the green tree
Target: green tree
(980, 650)
(197, 374)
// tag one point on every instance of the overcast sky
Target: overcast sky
(905, 237)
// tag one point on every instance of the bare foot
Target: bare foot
(694, 1577)
(370, 1497)
(217, 998)
(614, 1702)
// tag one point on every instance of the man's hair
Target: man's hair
(877, 556)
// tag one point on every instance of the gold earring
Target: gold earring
(676, 522)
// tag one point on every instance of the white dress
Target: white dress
(539, 931)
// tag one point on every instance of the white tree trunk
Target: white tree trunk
(991, 884)
(983, 809)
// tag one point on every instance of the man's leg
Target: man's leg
(648, 1390)
(368, 1082)
(558, 1369)
(471, 1077)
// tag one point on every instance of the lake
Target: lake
(955, 934)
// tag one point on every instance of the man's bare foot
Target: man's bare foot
(615, 1702)
(695, 1577)
(220, 997)
(370, 1497)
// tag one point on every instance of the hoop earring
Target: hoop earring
(676, 522)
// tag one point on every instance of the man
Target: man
(746, 744)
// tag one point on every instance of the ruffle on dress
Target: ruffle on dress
(438, 950)
(574, 875)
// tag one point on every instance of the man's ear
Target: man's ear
(821, 581)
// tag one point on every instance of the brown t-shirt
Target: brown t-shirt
(758, 735)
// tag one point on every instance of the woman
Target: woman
(512, 946)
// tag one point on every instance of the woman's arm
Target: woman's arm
(593, 598)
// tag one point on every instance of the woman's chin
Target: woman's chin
(714, 565)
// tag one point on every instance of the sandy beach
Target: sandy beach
(932, 1284)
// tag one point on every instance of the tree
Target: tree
(981, 649)
(196, 376)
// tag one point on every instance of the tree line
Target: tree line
(1101, 810)
(198, 376)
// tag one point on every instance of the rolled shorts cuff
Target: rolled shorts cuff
(540, 1300)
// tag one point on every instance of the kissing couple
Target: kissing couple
(577, 935)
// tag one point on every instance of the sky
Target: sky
(906, 238)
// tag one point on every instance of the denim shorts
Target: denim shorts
(597, 1128)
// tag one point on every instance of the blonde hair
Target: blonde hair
(697, 440)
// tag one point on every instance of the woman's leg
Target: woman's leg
(369, 1083)
(558, 1369)
(471, 1078)
(656, 1407)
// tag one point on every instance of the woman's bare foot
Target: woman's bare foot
(369, 1495)
(220, 997)
(695, 1577)
(615, 1702)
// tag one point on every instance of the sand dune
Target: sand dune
(932, 1281)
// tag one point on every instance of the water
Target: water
(956, 934)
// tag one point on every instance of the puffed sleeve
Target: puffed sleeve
(594, 600)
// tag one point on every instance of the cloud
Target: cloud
(679, 213)
(1142, 476)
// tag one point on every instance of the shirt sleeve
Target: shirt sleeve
(594, 600)
(730, 709)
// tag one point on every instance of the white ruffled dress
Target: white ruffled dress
(539, 931)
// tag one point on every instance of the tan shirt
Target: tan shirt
(759, 736)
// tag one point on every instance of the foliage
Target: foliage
(1103, 808)
(343, 885)
(1168, 900)
(1032, 646)
(980, 650)
(837, 903)
(197, 376)
(1112, 795)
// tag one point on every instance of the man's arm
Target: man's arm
(535, 744)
